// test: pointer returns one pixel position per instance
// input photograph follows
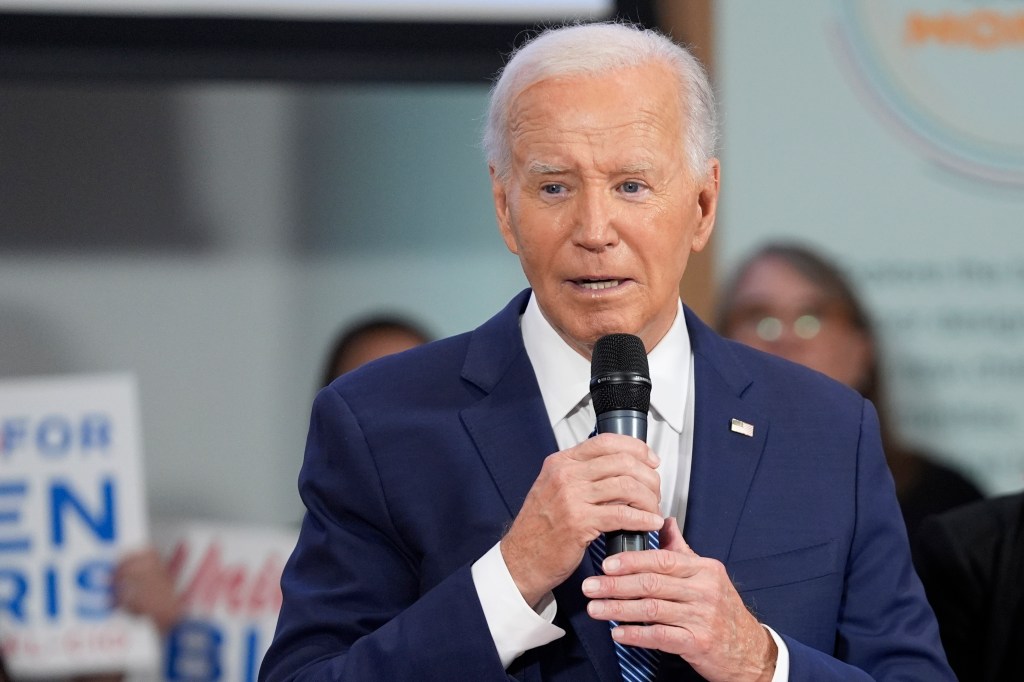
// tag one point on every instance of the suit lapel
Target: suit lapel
(510, 429)
(509, 426)
(724, 460)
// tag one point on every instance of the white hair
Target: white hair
(593, 49)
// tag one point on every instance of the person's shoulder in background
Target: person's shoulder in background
(982, 529)
(932, 487)
(971, 561)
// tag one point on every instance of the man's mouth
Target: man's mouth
(596, 284)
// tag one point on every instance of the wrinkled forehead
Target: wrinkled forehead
(610, 126)
(643, 98)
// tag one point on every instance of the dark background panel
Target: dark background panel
(62, 45)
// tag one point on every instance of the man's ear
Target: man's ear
(707, 202)
(499, 191)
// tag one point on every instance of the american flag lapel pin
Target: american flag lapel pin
(742, 427)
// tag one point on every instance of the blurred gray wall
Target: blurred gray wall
(213, 238)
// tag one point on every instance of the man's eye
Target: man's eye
(553, 189)
(631, 187)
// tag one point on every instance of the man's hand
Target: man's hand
(688, 606)
(606, 483)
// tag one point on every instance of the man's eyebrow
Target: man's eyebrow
(638, 167)
(541, 168)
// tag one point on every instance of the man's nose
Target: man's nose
(595, 220)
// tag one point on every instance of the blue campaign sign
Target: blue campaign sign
(71, 502)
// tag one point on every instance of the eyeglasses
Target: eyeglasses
(770, 328)
(766, 324)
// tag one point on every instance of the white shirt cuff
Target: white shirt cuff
(514, 626)
(782, 662)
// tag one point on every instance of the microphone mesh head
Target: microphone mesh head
(619, 375)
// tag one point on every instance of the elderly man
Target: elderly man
(454, 497)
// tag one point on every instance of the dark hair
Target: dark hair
(347, 338)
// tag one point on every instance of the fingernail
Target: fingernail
(590, 585)
(617, 633)
(595, 608)
(611, 564)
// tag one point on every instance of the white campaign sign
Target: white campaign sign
(229, 577)
(71, 502)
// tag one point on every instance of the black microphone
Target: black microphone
(620, 386)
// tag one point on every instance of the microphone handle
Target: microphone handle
(628, 423)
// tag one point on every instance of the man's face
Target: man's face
(600, 205)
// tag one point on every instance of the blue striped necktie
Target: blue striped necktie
(637, 664)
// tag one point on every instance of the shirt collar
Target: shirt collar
(564, 375)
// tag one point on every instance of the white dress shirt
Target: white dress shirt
(564, 379)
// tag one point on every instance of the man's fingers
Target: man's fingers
(617, 464)
(671, 538)
(641, 586)
(606, 479)
(655, 636)
(613, 517)
(624, 490)
(609, 443)
(661, 561)
(646, 611)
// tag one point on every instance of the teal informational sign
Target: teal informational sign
(890, 136)
(945, 77)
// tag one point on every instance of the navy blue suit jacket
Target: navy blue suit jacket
(417, 463)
